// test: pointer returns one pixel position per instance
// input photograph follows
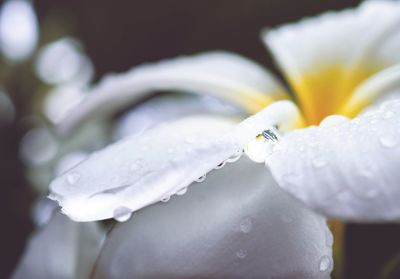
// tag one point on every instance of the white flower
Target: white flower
(239, 222)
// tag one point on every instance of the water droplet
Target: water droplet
(122, 214)
(201, 178)
(324, 263)
(286, 219)
(271, 135)
(333, 120)
(182, 191)
(241, 254)
(302, 148)
(73, 177)
(235, 157)
(165, 198)
(388, 141)
(318, 163)
(220, 166)
(246, 225)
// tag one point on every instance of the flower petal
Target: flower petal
(62, 249)
(374, 88)
(346, 170)
(220, 74)
(170, 107)
(326, 57)
(236, 224)
(144, 169)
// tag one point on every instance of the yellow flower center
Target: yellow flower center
(324, 91)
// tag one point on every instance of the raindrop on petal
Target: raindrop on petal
(122, 214)
(201, 178)
(73, 177)
(241, 254)
(182, 191)
(388, 141)
(324, 264)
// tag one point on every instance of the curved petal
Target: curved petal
(346, 169)
(150, 167)
(220, 74)
(170, 107)
(326, 57)
(62, 249)
(384, 82)
(236, 224)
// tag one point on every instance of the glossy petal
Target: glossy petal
(170, 107)
(62, 249)
(235, 224)
(219, 74)
(326, 57)
(144, 169)
(347, 170)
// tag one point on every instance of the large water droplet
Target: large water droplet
(388, 141)
(246, 225)
(73, 177)
(122, 214)
(324, 263)
(333, 120)
(201, 178)
(241, 254)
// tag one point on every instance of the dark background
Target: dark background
(120, 34)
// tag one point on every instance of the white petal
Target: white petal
(348, 171)
(141, 170)
(339, 37)
(238, 223)
(170, 107)
(220, 74)
(62, 249)
(326, 57)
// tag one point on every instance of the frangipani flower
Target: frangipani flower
(342, 68)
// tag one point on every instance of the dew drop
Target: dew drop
(388, 141)
(165, 198)
(324, 263)
(201, 178)
(220, 166)
(73, 177)
(122, 214)
(182, 191)
(241, 254)
(246, 225)
(235, 157)
(318, 163)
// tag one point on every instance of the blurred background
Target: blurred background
(50, 48)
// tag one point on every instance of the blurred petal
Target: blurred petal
(237, 224)
(348, 170)
(62, 249)
(385, 81)
(18, 29)
(326, 57)
(219, 74)
(169, 107)
(144, 169)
